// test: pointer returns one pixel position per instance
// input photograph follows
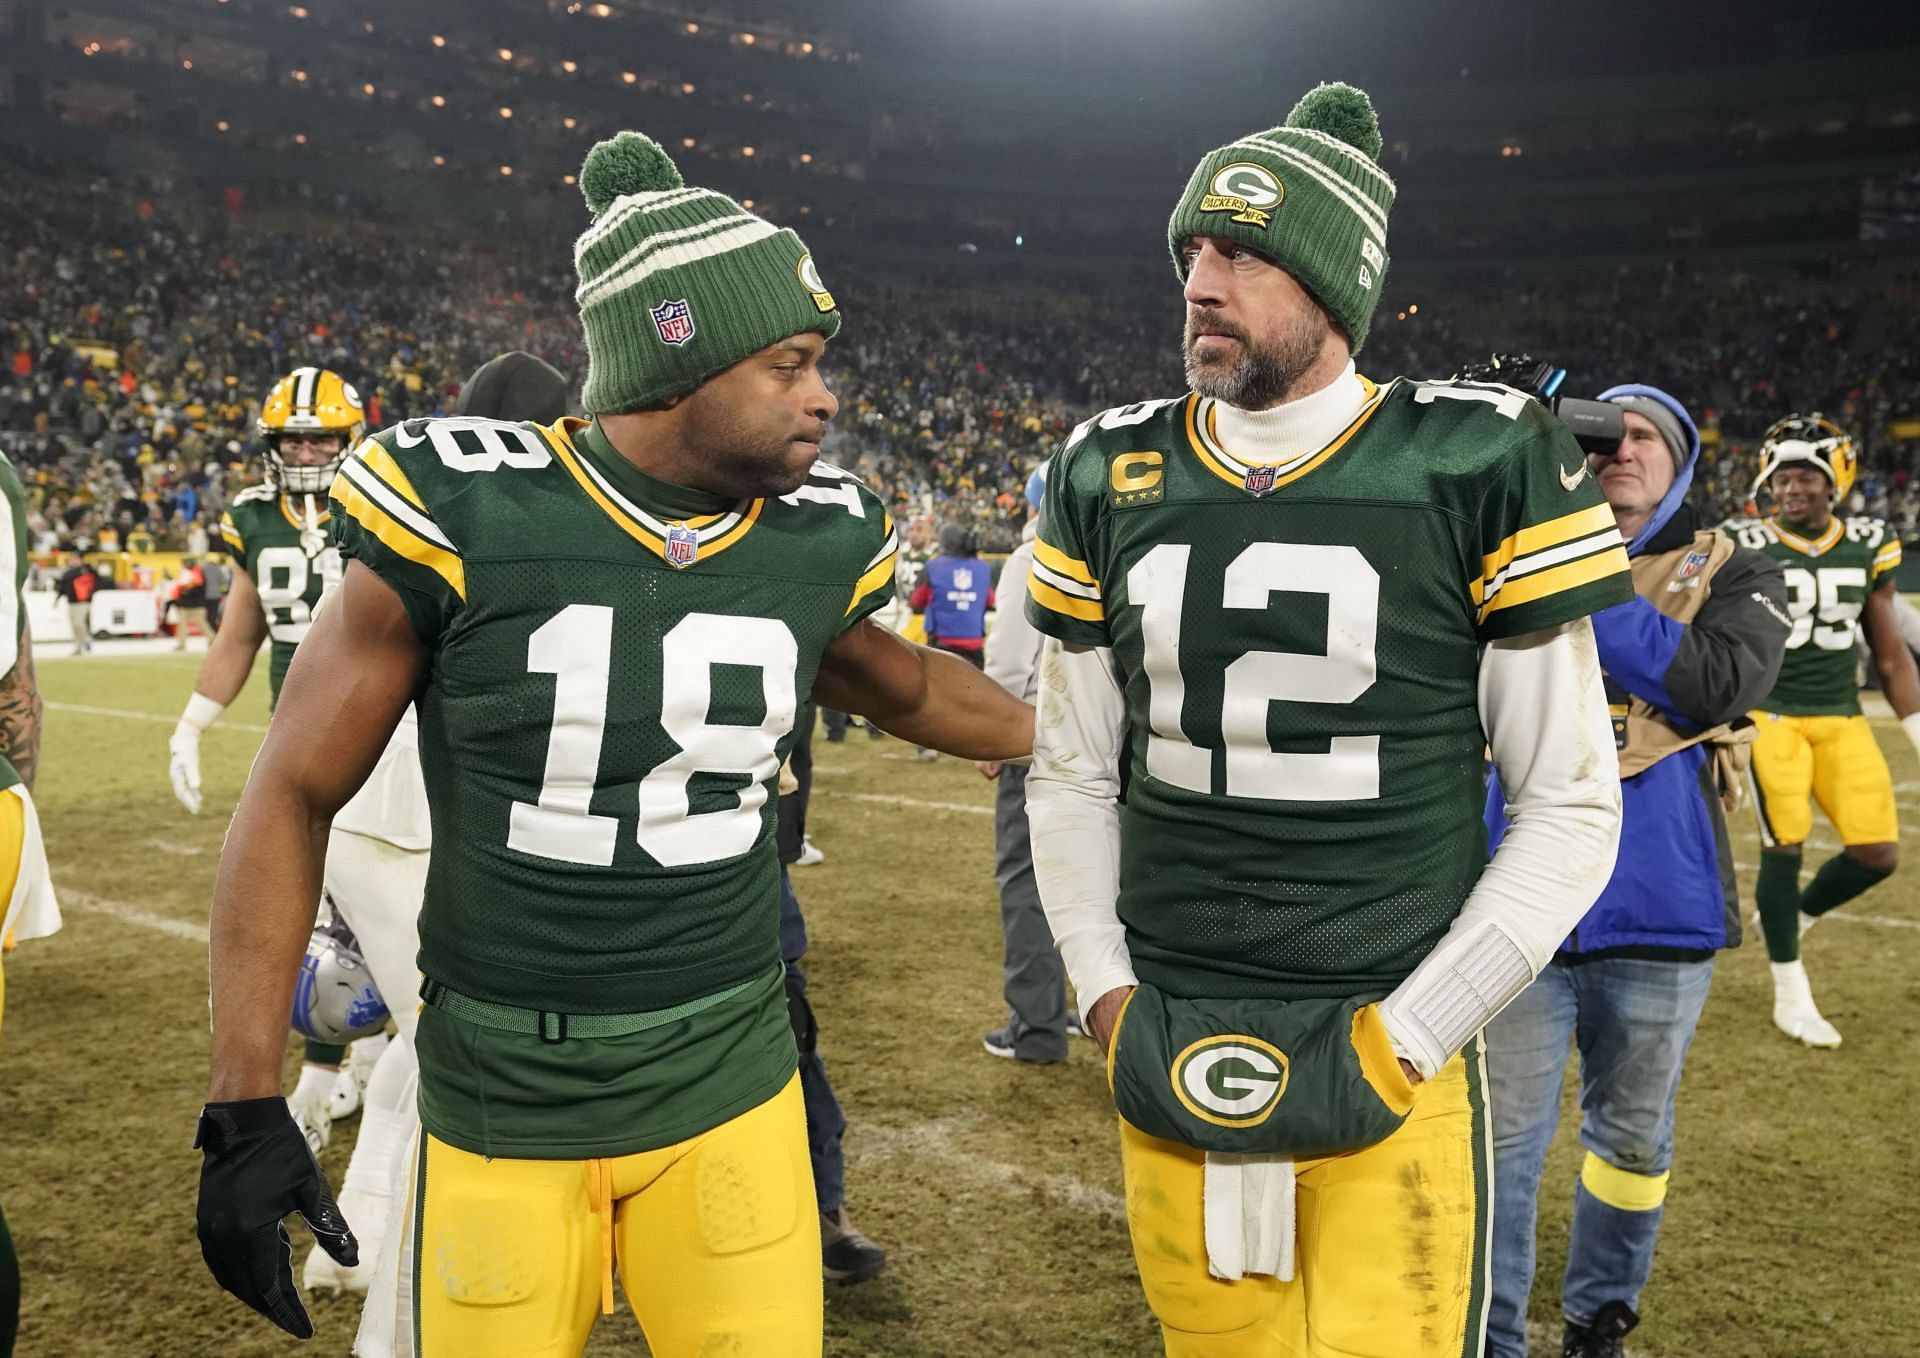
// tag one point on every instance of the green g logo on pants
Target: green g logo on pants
(1231, 1080)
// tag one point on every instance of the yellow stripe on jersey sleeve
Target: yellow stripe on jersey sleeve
(1054, 601)
(1538, 536)
(880, 576)
(231, 532)
(1887, 558)
(1054, 559)
(379, 461)
(397, 537)
(1559, 579)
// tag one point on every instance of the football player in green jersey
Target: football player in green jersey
(1287, 612)
(276, 533)
(607, 626)
(1813, 741)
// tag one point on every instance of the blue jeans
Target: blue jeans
(1632, 1021)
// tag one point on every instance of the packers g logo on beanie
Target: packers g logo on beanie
(1309, 195)
(1231, 1080)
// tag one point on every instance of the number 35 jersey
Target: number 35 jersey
(1299, 650)
(611, 695)
(281, 542)
(1828, 580)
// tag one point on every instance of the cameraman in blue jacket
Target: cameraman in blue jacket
(1684, 662)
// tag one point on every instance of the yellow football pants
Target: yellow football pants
(1837, 762)
(1390, 1258)
(13, 839)
(717, 1240)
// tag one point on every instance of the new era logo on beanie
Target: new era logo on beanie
(1308, 195)
(677, 283)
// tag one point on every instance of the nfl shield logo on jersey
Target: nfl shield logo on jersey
(1259, 480)
(674, 321)
(683, 546)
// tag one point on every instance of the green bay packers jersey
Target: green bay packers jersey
(615, 672)
(14, 564)
(1299, 650)
(1828, 580)
(281, 542)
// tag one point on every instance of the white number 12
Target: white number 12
(1350, 769)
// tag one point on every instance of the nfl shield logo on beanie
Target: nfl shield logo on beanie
(674, 321)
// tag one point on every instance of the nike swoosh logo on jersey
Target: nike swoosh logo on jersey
(1567, 483)
(406, 440)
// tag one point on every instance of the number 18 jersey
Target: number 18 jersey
(610, 697)
(1829, 577)
(1299, 650)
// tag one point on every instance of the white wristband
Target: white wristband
(201, 712)
(1911, 725)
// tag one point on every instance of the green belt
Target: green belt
(552, 1027)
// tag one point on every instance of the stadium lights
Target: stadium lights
(439, 41)
(628, 78)
(1413, 310)
(222, 126)
(92, 49)
(187, 64)
(806, 48)
(299, 77)
(368, 89)
(806, 157)
(569, 123)
(439, 160)
(506, 170)
(602, 11)
(747, 203)
(505, 112)
(566, 179)
(505, 54)
(439, 101)
(746, 150)
(747, 38)
(367, 27)
(687, 143)
(805, 211)
(569, 66)
(686, 89)
(297, 11)
(693, 28)
(299, 139)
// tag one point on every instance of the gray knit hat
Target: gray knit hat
(1309, 196)
(678, 284)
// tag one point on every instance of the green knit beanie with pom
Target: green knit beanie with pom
(1309, 195)
(678, 284)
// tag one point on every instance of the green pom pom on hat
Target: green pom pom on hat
(1339, 110)
(628, 162)
(1308, 195)
(679, 283)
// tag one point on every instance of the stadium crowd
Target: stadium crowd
(131, 420)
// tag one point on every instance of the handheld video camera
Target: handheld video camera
(1597, 425)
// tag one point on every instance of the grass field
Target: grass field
(1790, 1226)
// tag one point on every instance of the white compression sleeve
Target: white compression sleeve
(1074, 814)
(1544, 709)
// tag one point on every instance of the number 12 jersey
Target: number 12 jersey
(1299, 648)
(611, 694)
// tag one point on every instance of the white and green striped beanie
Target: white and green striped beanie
(678, 284)
(1309, 195)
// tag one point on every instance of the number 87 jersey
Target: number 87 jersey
(613, 686)
(1299, 647)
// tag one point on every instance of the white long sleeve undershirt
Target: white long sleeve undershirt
(1544, 711)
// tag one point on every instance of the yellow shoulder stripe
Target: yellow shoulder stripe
(1559, 579)
(399, 538)
(379, 461)
(1549, 534)
(1054, 559)
(881, 575)
(1051, 599)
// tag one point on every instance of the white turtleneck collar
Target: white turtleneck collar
(1294, 429)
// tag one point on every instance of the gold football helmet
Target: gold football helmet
(306, 403)
(1813, 439)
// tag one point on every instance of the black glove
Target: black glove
(257, 1169)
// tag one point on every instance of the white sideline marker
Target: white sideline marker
(87, 711)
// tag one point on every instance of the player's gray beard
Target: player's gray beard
(1262, 376)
